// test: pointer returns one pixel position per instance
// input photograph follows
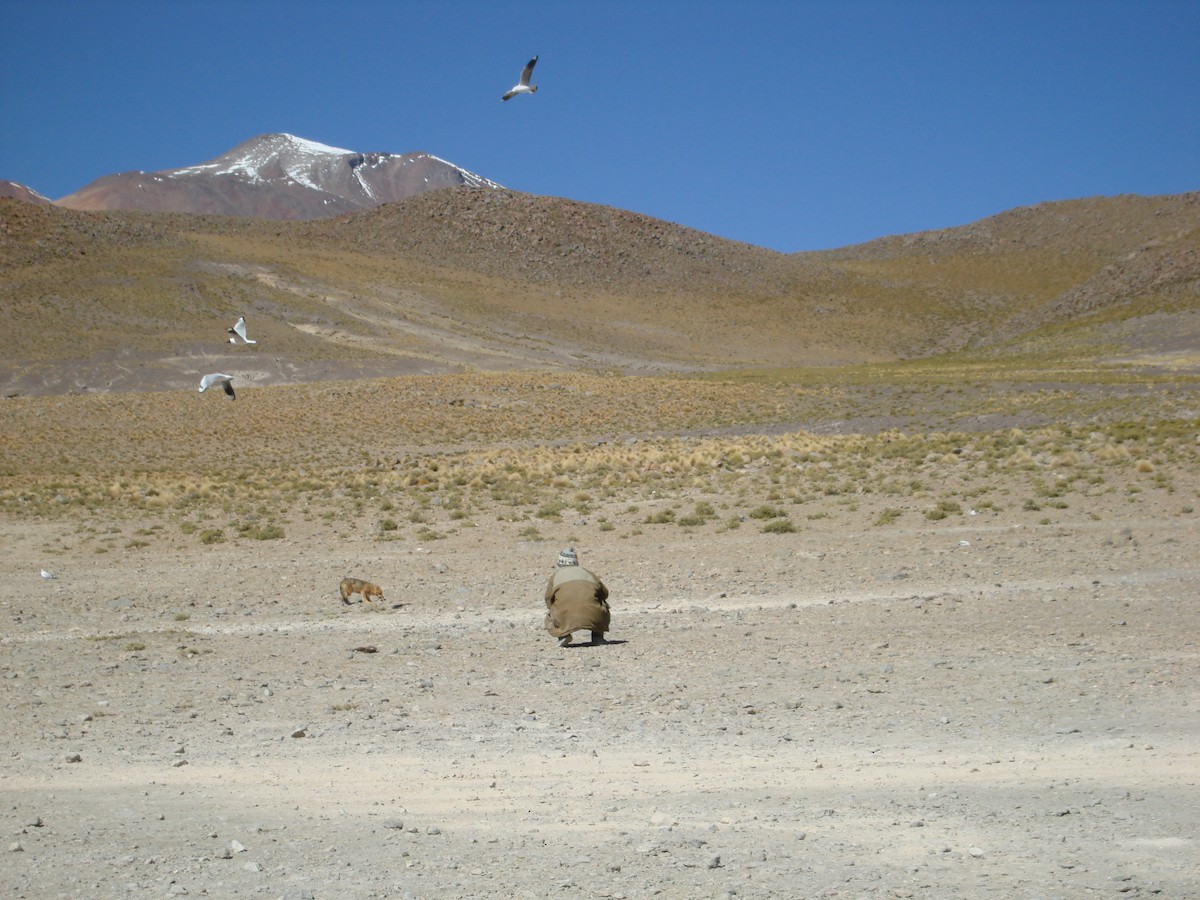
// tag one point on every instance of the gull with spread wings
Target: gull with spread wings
(239, 331)
(523, 86)
(225, 381)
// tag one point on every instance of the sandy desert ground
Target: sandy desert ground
(983, 706)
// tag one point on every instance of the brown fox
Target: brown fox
(363, 588)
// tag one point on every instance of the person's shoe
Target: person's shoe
(564, 641)
(598, 637)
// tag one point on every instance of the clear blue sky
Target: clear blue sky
(795, 126)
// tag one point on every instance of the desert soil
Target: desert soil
(979, 707)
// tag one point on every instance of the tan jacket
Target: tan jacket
(576, 600)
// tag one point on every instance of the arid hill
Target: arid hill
(493, 279)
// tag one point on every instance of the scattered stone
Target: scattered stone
(300, 732)
(393, 823)
(237, 847)
(714, 862)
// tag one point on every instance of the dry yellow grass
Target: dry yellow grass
(422, 457)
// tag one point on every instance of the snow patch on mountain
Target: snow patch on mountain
(471, 178)
(366, 187)
(279, 176)
(300, 160)
(297, 158)
(23, 192)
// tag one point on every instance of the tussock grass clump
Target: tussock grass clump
(260, 531)
(889, 515)
(702, 513)
(944, 509)
(779, 526)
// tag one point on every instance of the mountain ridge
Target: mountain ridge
(485, 279)
(14, 191)
(276, 176)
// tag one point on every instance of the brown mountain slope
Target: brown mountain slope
(498, 280)
(550, 240)
(1005, 279)
(20, 192)
(1103, 226)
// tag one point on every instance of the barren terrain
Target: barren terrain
(877, 639)
(901, 542)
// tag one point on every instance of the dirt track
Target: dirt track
(994, 708)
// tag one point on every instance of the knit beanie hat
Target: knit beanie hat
(568, 557)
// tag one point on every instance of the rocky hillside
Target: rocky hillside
(1103, 226)
(554, 241)
(492, 279)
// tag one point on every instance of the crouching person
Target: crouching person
(576, 600)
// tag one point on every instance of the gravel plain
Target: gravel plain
(981, 707)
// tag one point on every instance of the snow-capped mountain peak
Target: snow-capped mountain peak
(269, 152)
(279, 176)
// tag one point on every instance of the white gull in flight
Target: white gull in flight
(239, 331)
(225, 381)
(523, 86)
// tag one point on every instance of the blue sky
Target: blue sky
(791, 125)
